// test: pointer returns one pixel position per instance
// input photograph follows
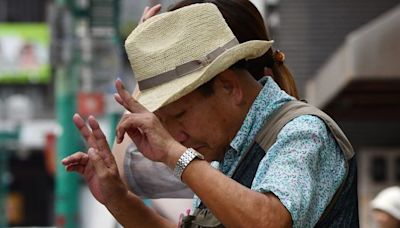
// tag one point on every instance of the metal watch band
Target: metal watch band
(189, 155)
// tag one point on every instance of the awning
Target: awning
(362, 78)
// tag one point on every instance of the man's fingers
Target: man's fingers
(76, 167)
(76, 162)
(76, 158)
(153, 11)
(123, 126)
(134, 124)
(127, 100)
(119, 131)
(98, 162)
(101, 140)
(124, 96)
(98, 134)
(119, 99)
(84, 130)
(143, 18)
(146, 9)
(149, 12)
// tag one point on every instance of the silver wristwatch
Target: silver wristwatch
(189, 155)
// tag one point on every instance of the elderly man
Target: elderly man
(280, 162)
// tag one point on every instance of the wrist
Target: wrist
(175, 152)
(185, 159)
(116, 200)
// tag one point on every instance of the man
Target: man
(190, 71)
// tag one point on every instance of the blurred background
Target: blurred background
(58, 57)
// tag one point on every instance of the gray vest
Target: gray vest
(342, 210)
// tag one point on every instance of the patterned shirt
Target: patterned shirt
(303, 168)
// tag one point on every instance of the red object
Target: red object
(90, 104)
(50, 153)
(60, 221)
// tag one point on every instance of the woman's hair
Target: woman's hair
(246, 23)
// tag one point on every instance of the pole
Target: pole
(67, 184)
(7, 139)
(3, 185)
(115, 116)
(67, 77)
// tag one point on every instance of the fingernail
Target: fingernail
(91, 117)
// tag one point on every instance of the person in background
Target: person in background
(275, 161)
(386, 208)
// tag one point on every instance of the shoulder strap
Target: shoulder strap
(289, 111)
(267, 136)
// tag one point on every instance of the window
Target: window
(23, 10)
(378, 169)
(397, 169)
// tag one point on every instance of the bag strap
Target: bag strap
(289, 111)
(267, 135)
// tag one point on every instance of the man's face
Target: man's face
(205, 123)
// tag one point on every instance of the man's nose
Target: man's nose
(180, 136)
(176, 131)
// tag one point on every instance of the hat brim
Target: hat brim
(159, 96)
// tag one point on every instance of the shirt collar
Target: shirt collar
(269, 98)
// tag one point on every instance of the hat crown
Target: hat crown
(171, 39)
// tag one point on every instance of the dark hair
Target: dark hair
(246, 23)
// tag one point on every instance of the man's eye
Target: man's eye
(180, 114)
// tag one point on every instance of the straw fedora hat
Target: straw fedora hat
(174, 53)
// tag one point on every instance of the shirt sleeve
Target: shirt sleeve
(151, 179)
(303, 168)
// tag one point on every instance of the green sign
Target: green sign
(24, 53)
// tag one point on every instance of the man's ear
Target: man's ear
(229, 84)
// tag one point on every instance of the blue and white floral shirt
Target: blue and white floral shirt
(303, 168)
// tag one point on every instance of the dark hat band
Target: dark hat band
(185, 68)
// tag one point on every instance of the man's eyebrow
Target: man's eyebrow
(159, 117)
